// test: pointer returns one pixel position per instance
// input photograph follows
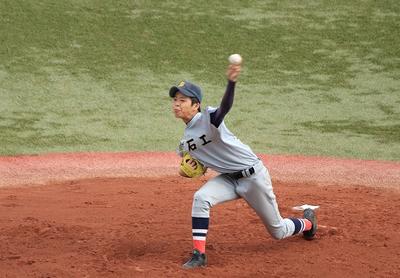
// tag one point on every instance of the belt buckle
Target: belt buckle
(248, 172)
(244, 173)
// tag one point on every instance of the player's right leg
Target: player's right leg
(217, 190)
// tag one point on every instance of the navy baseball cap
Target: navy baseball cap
(188, 89)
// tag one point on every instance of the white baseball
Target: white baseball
(235, 59)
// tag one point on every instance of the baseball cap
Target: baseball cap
(188, 89)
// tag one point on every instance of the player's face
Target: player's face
(183, 108)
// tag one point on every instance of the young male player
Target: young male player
(242, 173)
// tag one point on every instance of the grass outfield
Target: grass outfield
(320, 77)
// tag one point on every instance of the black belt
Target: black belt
(243, 173)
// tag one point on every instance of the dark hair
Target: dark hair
(195, 100)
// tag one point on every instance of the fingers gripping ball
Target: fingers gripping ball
(191, 167)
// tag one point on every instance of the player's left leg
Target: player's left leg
(258, 192)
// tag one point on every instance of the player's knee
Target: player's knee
(201, 199)
(278, 234)
(201, 204)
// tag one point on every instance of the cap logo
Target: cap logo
(181, 84)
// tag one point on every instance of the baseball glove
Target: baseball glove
(191, 167)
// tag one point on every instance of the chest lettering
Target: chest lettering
(192, 146)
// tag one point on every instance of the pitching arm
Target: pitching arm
(227, 100)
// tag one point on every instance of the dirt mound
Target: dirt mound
(126, 215)
(141, 227)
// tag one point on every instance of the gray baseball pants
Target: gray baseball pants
(256, 190)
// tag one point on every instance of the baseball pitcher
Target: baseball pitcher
(208, 143)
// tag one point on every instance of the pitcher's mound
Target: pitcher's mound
(141, 227)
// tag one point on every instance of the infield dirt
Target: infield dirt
(140, 226)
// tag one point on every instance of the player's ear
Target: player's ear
(197, 106)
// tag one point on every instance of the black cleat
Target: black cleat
(310, 215)
(197, 260)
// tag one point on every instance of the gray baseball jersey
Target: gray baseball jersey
(216, 147)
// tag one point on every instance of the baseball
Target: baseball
(235, 59)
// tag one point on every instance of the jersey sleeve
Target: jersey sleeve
(218, 115)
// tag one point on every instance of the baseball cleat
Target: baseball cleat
(197, 260)
(310, 215)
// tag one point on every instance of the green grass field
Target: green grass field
(320, 77)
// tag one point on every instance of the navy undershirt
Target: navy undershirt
(226, 104)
